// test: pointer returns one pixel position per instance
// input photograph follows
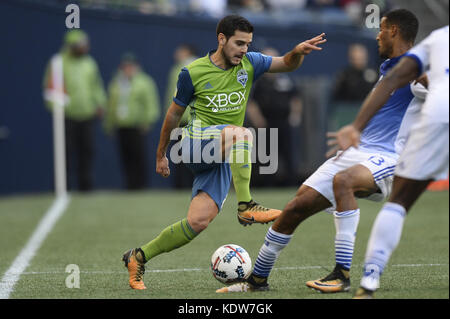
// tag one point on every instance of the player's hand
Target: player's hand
(343, 139)
(162, 166)
(306, 47)
(423, 79)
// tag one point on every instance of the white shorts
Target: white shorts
(425, 155)
(380, 165)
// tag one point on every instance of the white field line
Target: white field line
(27, 253)
(207, 269)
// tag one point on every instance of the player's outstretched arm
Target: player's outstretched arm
(403, 73)
(171, 121)
(294, 58)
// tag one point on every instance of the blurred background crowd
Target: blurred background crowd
(121, 70)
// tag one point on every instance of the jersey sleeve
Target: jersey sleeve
(261, 63)
(421, 53)
(185, 89)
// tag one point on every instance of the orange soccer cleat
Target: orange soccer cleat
(336, 281)
(135, 262)
(252, 212)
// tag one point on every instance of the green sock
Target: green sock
(241, 169)
(172, 237)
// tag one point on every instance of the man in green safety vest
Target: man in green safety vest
(133, 108)
(84, 101)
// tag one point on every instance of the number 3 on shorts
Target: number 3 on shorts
(377, 160)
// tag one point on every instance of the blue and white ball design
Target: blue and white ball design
(230, 264)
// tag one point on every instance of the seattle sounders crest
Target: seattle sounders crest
(242, 77)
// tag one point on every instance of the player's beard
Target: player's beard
(227, 60)
(385, 52)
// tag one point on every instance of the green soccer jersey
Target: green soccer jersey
(217, 96)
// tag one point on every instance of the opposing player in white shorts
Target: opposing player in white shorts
(425, 156)
(380, 167)
(365, 172)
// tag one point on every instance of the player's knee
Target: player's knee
(236, 134)
(342, 181)
(246, 135)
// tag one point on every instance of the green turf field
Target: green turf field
(97, 228)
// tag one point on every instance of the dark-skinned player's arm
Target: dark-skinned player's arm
(294, 58)
(171, 121)
(403, 73)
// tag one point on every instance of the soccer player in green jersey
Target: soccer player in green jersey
(216, 87)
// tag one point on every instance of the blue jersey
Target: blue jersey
(381, 132)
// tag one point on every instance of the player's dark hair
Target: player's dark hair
(229, 24)
(406, 22)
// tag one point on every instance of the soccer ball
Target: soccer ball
(230, 264)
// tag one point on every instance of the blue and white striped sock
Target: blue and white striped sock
(384, 238)
(269, 252)
(346, 224)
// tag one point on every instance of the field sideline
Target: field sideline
(97, 228)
